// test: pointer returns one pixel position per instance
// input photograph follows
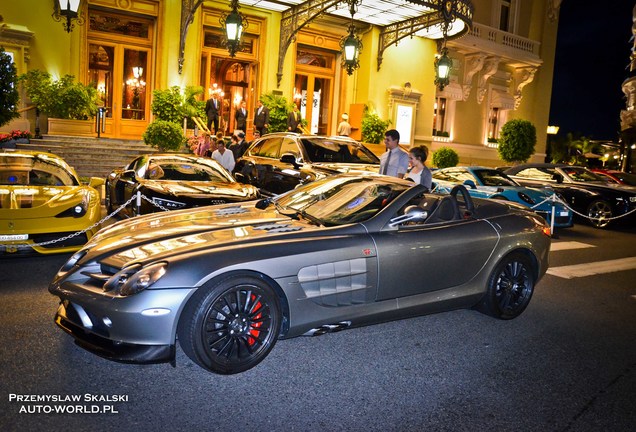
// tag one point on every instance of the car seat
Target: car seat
(447, 210)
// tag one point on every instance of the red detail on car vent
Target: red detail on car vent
(366, 252)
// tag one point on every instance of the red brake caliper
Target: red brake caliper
(251, 338)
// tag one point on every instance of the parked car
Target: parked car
(584, 191)
(483, 182)
(44, 208)
(349, 250)
(279, 162)
(173, 181)
(615, 176)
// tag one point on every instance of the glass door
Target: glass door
(119, 74)
(119, 61)
(312, 94)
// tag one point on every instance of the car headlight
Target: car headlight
(135, 278)
(526, 198)
(169, 204)
(632, 199)
(76, 211)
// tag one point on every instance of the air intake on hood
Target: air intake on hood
(230, 211)
(277, 228)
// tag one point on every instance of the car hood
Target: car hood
(161, 235)
(202, 188)
(346, 167)
(40, 201)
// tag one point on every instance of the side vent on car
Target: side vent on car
(277, 228)
(230, 211)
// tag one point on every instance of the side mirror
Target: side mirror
(471, 184)
(96, 182)
(557, 177)
(412, 213)
(128, 175)
(289, 158)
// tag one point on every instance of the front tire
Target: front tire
(600, 213)
(230, 326)
(510, 287)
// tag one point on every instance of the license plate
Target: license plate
(563, 213)
(9, 237)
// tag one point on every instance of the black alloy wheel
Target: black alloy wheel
(231, 326)
(510, 287)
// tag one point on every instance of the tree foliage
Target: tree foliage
(9, 96)
(63, 98)
(445, 157)
(517, 140)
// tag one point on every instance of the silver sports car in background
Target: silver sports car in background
(228, 281)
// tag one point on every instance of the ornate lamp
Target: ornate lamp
(235, 23)
(351, 44)
(68, 9)
(443, 65)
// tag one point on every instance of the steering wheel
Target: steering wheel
(466, 201)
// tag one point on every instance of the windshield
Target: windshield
(581, 174)
(37, 170)
(491, 177)
(342, 200)
(330, 150)
(186, 170)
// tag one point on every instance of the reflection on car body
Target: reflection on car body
(228, 281)
(584, 191)
(483, 182)
(173, 181)
(280, 162)
(43, 206)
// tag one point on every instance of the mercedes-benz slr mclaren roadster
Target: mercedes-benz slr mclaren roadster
(228, 281)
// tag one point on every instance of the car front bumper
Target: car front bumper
(124, 329)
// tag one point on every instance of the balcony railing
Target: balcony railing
(497, 42)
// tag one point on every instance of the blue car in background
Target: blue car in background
(483, 182)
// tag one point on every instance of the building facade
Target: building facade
(502, 68)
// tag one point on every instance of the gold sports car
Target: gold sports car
(43, 206)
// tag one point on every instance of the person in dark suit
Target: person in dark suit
(293, 120)
(240, 115)
(261, 118)
(212, 110)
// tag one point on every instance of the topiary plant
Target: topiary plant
(517, 140)
(445, 157)
(164, 135)
(9, 96)
(373, 127)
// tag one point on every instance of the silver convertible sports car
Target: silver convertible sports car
(228, 281)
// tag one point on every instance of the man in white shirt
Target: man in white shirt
(395, 162)
(224, 156)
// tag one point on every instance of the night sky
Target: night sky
(592, 59)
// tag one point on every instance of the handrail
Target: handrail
(30, 107)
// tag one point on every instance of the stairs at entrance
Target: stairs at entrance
(91, 157)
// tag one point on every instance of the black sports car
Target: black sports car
(584, 191)
(173, 181)
(279, 162)
(228, 281)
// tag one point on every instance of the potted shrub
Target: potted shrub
(164, 135)
(69, 105)
(445, 157)
(373, 127)
(516, 141)
(279, 108)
